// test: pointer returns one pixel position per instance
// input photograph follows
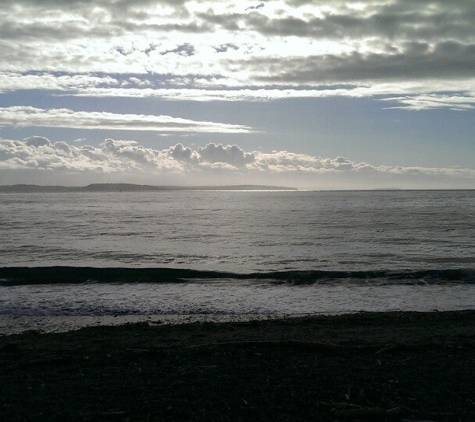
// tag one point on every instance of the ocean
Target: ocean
(70, 259)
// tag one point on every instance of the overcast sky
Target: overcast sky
(305, 93)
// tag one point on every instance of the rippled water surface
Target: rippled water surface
(313, 252)
(240, 231)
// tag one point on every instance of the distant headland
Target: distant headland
(130, 187)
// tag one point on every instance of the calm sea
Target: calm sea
(235, 254)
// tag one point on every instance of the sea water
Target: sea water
(238, 253)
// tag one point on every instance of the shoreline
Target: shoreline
(20, 324)
(57, 324)
(387, 366)
(364, 324)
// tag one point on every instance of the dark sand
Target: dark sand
(394, 366)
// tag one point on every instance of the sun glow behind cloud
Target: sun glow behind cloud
(267, 45)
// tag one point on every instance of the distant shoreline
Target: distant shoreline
(130, 187)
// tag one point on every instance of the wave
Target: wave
(10, 276)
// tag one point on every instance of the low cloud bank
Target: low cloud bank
(39, 160)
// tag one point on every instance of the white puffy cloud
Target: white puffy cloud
(30, 116)
(111, 156)
(37, 159)
(230, 154)
(182, 153)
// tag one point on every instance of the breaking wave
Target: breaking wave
(10, 276)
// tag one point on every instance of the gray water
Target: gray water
(239, 232)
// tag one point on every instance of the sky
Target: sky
(312, 94)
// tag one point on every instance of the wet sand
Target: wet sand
(370, 366)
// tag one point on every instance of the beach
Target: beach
(367, 366)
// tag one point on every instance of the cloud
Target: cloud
(432, 101)
(16, 81)
(235, 51)
(447, 60)
(230, 154)
(285, 161)
(29, 116)
(183, 154)
(392, 20)
(256, 7)
(37, 159)
(455, 94)
(183, 50)
(225, 47)
(37, 141)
